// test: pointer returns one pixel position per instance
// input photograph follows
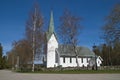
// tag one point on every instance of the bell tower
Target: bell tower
(52, 43)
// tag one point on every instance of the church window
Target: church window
(70, 60)
(63, 59)
(82, 60)
(56, 58)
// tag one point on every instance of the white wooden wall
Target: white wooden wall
(73, 63)
(51, 46)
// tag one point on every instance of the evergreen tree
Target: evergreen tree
(96, 50)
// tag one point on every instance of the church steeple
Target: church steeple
(50, 27)
(51, 24)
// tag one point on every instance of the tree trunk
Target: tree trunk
(77, 61)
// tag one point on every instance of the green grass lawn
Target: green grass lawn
(78, 72)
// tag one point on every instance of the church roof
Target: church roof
(51, 24)
(67, 50)
(51, 27)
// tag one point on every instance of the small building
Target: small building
(64, 55)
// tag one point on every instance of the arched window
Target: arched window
(63, 59)
(56, 57)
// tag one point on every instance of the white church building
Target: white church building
(63, 55)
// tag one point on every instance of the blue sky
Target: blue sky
(14, 13)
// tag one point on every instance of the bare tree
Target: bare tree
(112, 26)
(23, 50)
(35, 33)
(69, 31)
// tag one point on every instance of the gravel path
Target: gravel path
(8, 75)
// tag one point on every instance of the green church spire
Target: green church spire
(51, 24)
(51, 27)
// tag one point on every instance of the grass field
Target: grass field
(77, 72)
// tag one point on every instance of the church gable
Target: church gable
(52, 39)
(49, 35)
(51, 31)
